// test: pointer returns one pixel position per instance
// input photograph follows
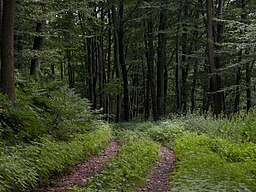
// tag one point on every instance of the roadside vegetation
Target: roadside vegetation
(48, 131)
(213, 154)
(51, 128)
(129, 170)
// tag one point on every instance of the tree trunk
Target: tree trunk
(238, 93)
(150, 65)
(177, 64)
(126, 101)
(248, 80)
(238, 73)
(177, 69)
(184, 63)
(7, 55)
(116, 62)
(215, 80)
(38, 43)
(108, 99)
(1, 22)
(193, 89)
(161, 59)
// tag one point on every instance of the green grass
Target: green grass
(129, 169)
(213, 164)
(27, 166)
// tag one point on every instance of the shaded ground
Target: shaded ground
(159, 176)
(83, 171)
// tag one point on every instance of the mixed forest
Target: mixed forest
(127, 86)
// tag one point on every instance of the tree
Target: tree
(38, 43)
(161, 58)
(1, 21)
(122, 61)
(215, 79)
(151, 87)
(7, 50)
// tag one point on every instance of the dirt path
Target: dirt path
(85, 170)
(159, 176)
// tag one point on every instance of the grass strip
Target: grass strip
(129, 169)
(22, 167)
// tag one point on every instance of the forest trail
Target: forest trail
(85, 170)
(158, 178)
(159, 175)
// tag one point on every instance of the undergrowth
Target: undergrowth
(213, 164)
(129, 169)
(28, 166)
(43, 107)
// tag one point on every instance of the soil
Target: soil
(158, 179)
(85, 170)
(159, 175)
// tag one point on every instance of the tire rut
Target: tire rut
(159, 175)
(85, 170)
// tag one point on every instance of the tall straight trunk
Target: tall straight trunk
(150, 64)
(126, 101)
(193, 88)
(1, 21)
(185, 64)
(146, 88)
(62, 70)
(248, 79)
(195, 75)
(214, 82)
(116, 61)
(89, 61)
(108, 77)
(177, 69)
(184, 76)
(100, 74)
(70, 70)
(38, 43)
(177, 64)
(7, 53)
(238, 73)
(94, 71)
(218, 57)
(161, 59)
(248, 68)
(238, 92)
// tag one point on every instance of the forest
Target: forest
(127, 95)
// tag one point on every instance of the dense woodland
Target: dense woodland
(78, 74)
(136, 59)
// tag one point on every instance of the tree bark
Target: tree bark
(150, 65)
(7, 55)
(126, 100)
(214, 81)
(38, 43)
(161, 59)
(248, 80)
(116, 61)
(1, 23)
(185, 64)
(193, 89)
(238, 93)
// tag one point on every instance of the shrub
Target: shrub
(22, 167)
(44, 107)
(211, 164)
